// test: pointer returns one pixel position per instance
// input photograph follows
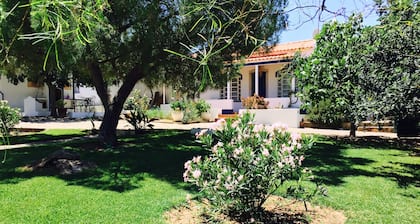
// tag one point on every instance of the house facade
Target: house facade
(265, 74)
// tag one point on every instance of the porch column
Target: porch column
(293, 84)
(163, 94)
(256, 79)
(228, 90)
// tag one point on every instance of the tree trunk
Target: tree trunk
(113, 108)
(108, 129)
(51, 100)
(353, 129)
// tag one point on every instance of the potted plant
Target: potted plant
(61, 110)
(254, 102)
(203, 109)
(178, 108)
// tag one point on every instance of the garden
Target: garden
(150, 176)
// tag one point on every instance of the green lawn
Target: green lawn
(51, 134)
(141, 179)
(371, 183)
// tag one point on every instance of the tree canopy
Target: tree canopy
(128, 41)
(328, 77)
(358, 73)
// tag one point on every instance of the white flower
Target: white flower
(196, 159)
(196, 174)
(265, 152)
(187, 165)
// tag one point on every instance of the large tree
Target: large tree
(390, 75)
(127, 41)
(328, 77)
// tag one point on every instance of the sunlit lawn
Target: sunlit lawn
(141, 179)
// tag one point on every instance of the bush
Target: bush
(254, 102)
(9, 117)
(137, 105)
(246, 165)
(191, 114)
(155, 113)
(179, 105)
(202, 106)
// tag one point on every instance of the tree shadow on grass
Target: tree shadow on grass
(405, 174)
(157, 153)
(330, 165)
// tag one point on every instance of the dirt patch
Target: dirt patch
(278, 210)
(65, 162)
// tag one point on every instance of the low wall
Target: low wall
(289, 116)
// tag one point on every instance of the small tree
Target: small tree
(328, 78)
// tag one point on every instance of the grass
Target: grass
(370, 183)
(141, 179)
(45, 135)
(135, 183)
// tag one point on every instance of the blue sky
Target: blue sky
(299, 28)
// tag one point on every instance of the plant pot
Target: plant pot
(206, 116)
(177, 115)
(62, 112)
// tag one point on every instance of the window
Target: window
(235, 90)
(284, 84)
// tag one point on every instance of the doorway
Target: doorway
(262, 83)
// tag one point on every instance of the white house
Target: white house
(263, 74)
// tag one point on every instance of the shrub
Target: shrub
(202, 106)
(246, 164)
(191, 114)
(155, 113)
(254, 102)
(9, 117)
(179, 105)
(137, 105)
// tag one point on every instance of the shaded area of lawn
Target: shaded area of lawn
(159, 153)
(334, 160)
(46, 135)
(371, 183)
(142, 178)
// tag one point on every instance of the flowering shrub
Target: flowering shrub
(246, 165)
(9, 117)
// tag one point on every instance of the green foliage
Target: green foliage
(246, 164)
(179, 105)
(155, 113)
(127, 41)
(191, 113)
(329, 75)
(137, 116)
(202, 106)
(9, 117)
(390, 78)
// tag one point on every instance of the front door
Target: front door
(262, 84)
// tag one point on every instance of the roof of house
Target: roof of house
(281, 52)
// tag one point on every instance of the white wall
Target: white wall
(15, 94)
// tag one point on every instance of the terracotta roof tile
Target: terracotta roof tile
(282, 51)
